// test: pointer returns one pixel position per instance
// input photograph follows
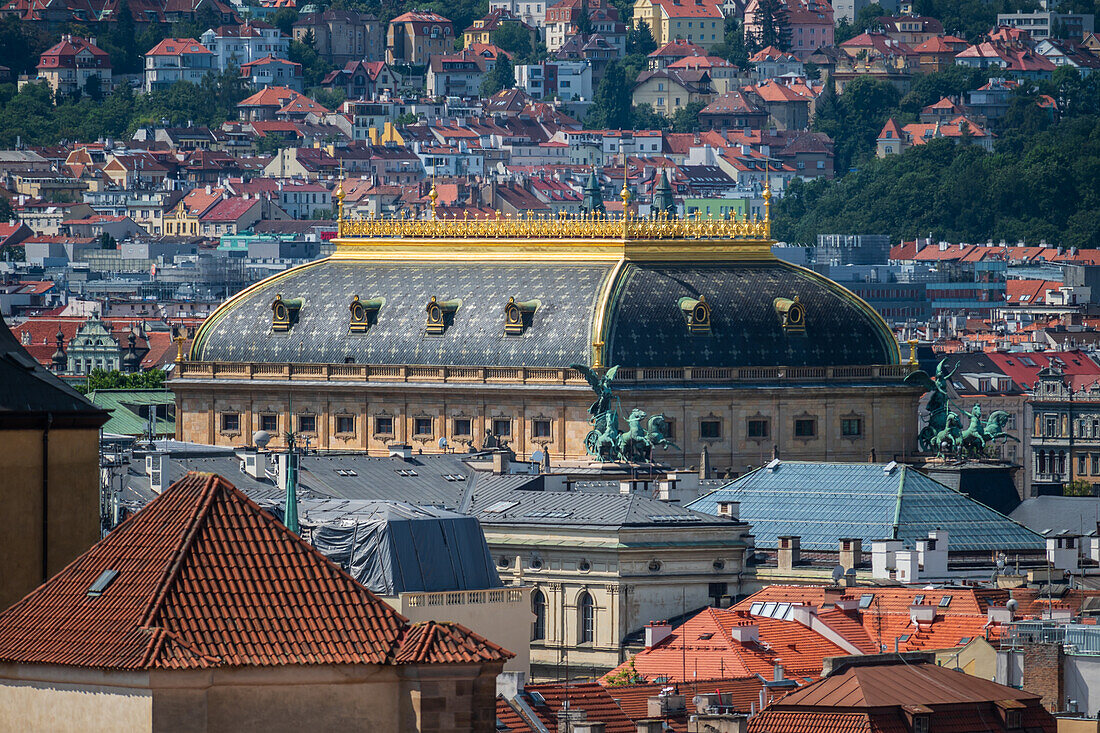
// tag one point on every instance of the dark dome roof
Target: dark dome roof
(645, 322)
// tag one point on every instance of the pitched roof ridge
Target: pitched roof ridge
(195, 521)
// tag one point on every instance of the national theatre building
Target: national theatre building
(420, 330)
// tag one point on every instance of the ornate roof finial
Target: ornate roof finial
(339, 195)
(767, 197)
(433, 194)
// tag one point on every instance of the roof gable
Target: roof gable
(205, 579)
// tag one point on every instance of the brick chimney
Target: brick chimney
(789, 551)
(851, 552)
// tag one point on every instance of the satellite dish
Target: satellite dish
(537, 456)
(1012, 604)
(1001, 562)
(261, 438)
(838, 573)
(442, 442)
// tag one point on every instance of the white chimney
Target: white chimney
(908, 566)
(1062, 551)
(884, 558)
(745, 633)
(157, 468)
(657, 632)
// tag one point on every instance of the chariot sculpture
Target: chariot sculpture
(605, 441)
(943, 433)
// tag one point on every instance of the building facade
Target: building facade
(343, 36)
(400, 337)
(71, 65)
(176, 59)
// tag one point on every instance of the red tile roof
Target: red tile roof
(880, 698)
(178, 47)
(595, 700)
(206, 579)
(705, 644)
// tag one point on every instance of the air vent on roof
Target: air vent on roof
(890, 467)
(773, 464)
(105, 579)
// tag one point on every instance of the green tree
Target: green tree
(284, 19)
(686, 119)
(640, 40)
(584, 19)
(114, 379)
(773, 21)
(854, 119)
(502, 76)
(644, 117)
(514, 39)
(611, 101)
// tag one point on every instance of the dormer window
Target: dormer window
(697, 314)
(792, 315)
(284, 312)
(364, 313)
(518, 316)
(441, 315)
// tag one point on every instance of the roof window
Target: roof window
(105, 579)
(866, 600)
(945, 601)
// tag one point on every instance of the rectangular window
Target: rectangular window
(345, 423)
(307, 423)
(422, 426)
(757, 428)
(710, 429)
(462, 426)
(231, 422)
(269, 423)
(851, 427)
(1095, 464)
(805, 427)
(502, 427)
(1081, 464)
(540, 428)
(1051, 426)
(383, 425)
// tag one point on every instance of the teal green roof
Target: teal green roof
(125, 405)
(823, 502)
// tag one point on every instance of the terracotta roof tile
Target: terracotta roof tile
(205, 579)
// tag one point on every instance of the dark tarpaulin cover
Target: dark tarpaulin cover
(392, 548)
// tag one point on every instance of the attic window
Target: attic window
(105, 579)
(964, 640)
(697, 313)
(792, 315)
(364, 313)
(866, 600)
(284, 312)
(945, 601)
(904, 638)
(918, 600)
(441, 315)
(706, 636)
(518, 316)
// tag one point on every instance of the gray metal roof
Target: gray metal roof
(1054, 514)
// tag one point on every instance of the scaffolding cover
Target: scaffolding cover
(393, 547)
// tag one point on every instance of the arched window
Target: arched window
(586, 619)
(538, 607)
